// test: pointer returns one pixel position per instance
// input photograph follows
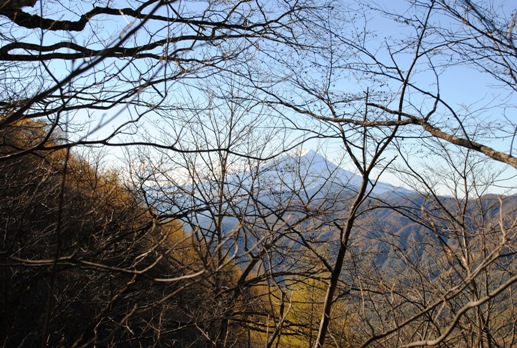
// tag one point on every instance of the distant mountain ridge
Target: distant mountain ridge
(303, 173)
(305, 169)
(304, 192)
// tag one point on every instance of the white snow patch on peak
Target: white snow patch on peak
(301, 151)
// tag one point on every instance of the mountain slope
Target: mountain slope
(308, 171)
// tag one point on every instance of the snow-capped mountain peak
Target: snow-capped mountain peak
(301, 152)
(306, 169)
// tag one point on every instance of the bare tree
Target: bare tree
(449, 278)
(102, 69)
(74, 239)
(208, 99)
(92, 75)
(391, 102)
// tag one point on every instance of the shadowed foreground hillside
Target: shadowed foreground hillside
(82, 263)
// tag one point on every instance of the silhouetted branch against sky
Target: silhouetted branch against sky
(115, 68)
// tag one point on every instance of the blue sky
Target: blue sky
(463, 87)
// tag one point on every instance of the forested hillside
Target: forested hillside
(85, 263)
